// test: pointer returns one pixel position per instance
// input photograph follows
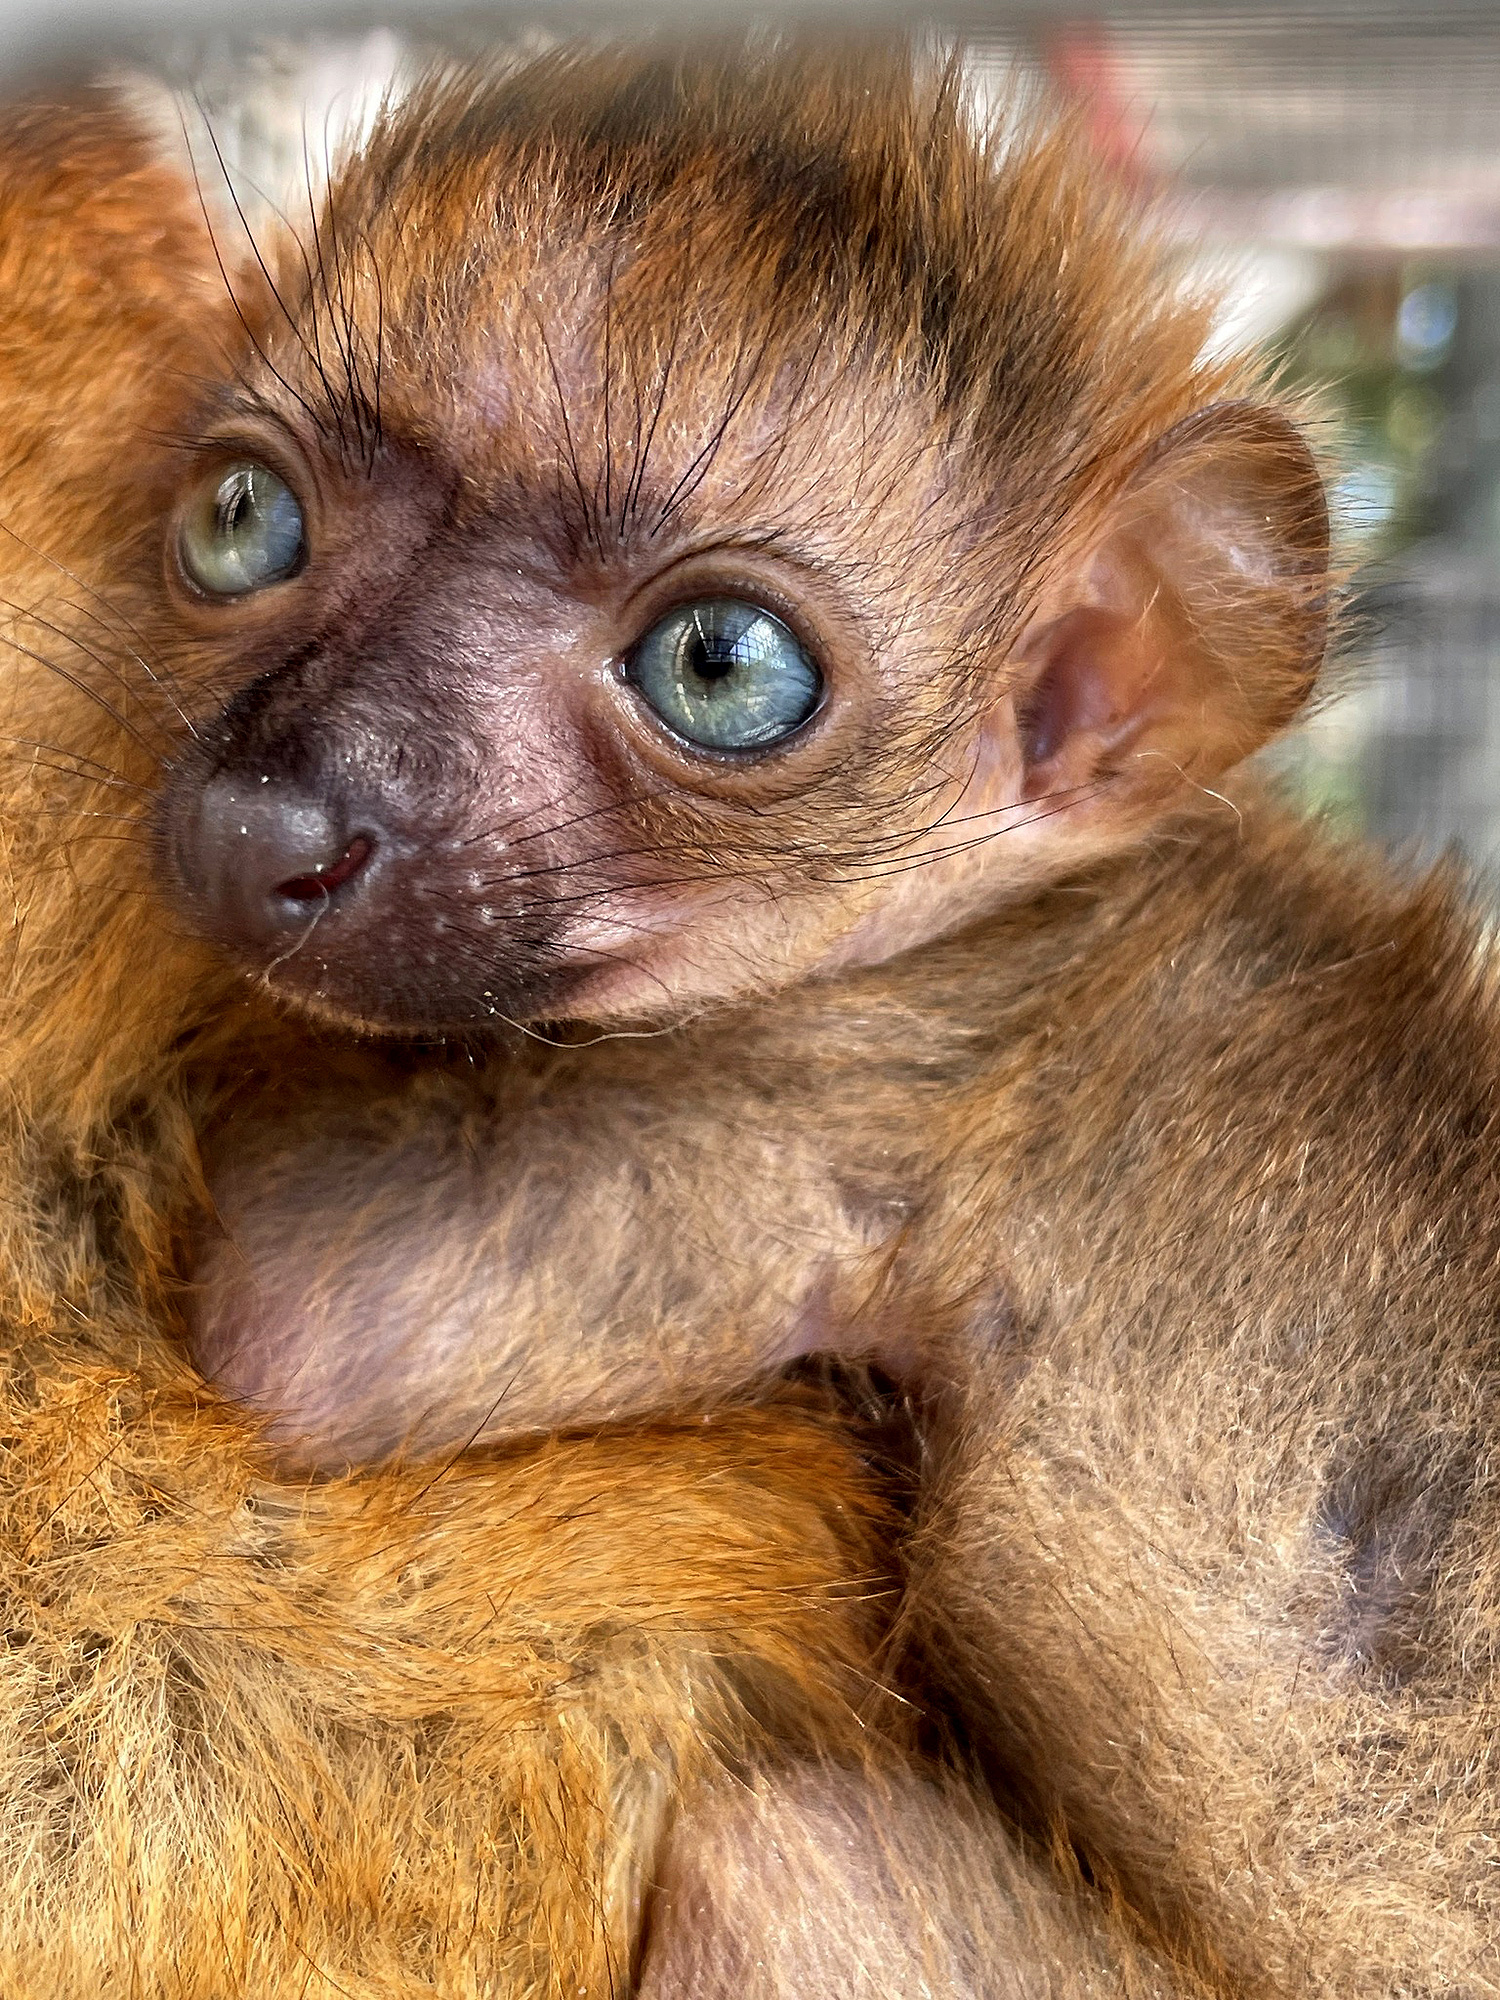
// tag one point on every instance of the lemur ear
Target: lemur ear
(1193, 629)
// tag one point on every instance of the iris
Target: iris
(243, 531)
(726, 675)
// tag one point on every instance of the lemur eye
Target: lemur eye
(243, 530)
(725, 674)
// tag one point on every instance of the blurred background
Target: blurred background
(1335, 164)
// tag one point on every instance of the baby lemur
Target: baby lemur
(694, 647)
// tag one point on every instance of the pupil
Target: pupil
(232, 513)
(708, 662)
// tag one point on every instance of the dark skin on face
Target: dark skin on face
(714, 616)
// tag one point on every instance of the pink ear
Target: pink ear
(1196, 627)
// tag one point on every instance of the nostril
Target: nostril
(258, 857)
(321, 882)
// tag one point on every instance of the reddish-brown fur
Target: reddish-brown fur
(1158, 1167)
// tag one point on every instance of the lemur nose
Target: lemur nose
(267, 857)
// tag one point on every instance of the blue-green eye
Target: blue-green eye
(243, 529)
(726, 675)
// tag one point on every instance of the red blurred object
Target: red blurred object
(1085, 66)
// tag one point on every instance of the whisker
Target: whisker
(167, 684)
(590, 523)
(702, 462)
(1080, 794)
(379, 423)
(317, 237)
(607, 373)
(74, 813)
(318, 913)
(32, 617)
(602, 860)
(499, 827)
(213, 244)
(90, 694)
(89, 833)
(310, 342)
(602, 891)
(631, 501)
(117, 618)
(343, 310)
(100, 774)
(865, 865)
